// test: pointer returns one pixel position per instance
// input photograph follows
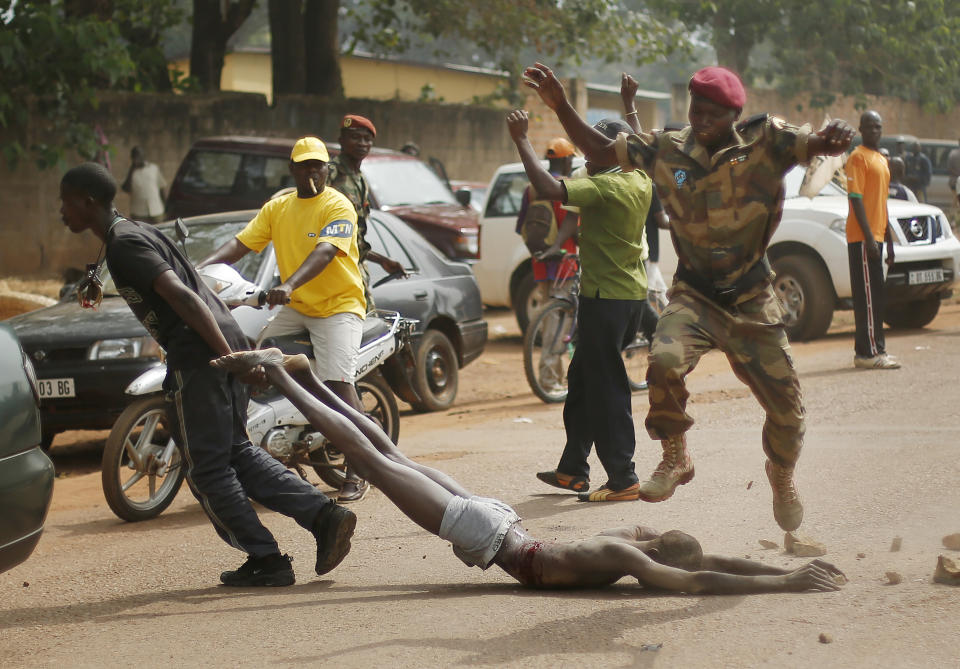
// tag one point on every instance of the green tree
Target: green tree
(51, 69)
(509, 32)
(214, 21)
(856, 47)
(732, 27)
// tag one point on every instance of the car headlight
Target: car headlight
(31, 377)
(839, 226)
(128, 347)
(945, 228)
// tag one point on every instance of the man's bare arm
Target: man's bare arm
(813, 576)
(595, 145)
(860, 213)
(192, 310)
(628, 93)
(229, 253)
(310, 268)
(742, 566)
(544, 183)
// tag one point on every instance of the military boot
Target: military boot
(675, 469)
(787, 509)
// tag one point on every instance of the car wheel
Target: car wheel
(916, 314)
(529, 300)
(142, 468)
(437, 372)
(804, 289)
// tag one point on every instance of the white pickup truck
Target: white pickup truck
(808, 253)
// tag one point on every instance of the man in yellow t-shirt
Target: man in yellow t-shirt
(314, 235)
(868, 183)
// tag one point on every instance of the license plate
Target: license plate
(51, 388)
(925, 276)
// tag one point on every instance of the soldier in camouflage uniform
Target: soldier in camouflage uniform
(722, 183)
(356, 139)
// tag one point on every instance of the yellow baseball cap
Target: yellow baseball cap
(309, 148)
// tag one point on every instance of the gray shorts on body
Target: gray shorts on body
(476, 528)
(335, 339)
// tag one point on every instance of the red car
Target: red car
(232, 173)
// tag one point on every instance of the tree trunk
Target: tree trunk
(208, 43)
(286, 47)
(322, 48)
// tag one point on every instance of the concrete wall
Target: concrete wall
(471, 141)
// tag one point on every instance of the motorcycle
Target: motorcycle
(142, 468)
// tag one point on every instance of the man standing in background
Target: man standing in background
(868, 183)
(146, 186)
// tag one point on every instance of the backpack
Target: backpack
(539, 226)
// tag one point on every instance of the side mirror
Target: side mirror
(463, 196)
(182, 233)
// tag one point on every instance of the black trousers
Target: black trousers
(224, 470)
(866, 283)
(598, 409)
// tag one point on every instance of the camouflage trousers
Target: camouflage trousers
(753, 337)
(367, 294)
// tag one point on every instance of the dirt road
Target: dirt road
(880, 462)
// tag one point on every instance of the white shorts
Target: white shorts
(476, 528)
(335, 339)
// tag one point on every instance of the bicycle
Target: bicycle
(551, 339)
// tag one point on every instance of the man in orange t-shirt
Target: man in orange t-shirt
(868, 182)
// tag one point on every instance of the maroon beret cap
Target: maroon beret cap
(720, 85)
(355, 121)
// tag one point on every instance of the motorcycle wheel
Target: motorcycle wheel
(131, 483)
(380, 405)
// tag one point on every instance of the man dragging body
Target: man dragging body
(485, 531)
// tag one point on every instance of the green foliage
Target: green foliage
(856, 47)
(509, 32)
(52, 68)
(826, 48)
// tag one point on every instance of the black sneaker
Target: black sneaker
(333, 529)
(269, 570)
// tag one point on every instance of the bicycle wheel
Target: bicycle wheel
(547, 349)
(634, 357)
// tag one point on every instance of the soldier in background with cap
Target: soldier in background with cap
(314, 235)
(356, 139)
(722, 183)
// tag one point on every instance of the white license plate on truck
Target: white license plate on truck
(53, 388)
(925, 276)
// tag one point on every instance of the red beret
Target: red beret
(720, 85)
(354, 121)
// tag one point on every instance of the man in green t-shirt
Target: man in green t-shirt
(613, 287)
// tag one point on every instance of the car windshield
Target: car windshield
(794, 178)
(203, 240)
(405, 182)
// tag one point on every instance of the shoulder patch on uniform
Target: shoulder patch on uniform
(753, 120)
(680, 177)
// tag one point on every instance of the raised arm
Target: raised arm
(628, 91)
(544, 183)
(832, 140)
(597, 148)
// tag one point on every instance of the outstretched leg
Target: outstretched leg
(422, 493)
